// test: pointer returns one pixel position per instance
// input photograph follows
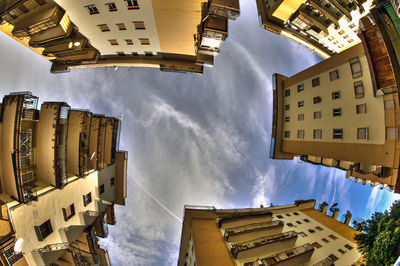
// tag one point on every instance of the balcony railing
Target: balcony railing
(251, 227)
(325, 262)
(54, 247)
(220, 8)
(238, 217)
(236, 248)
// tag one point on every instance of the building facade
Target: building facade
(344, 111)
(295, 234)
(326, 27)
(171, 35)
(61, 175)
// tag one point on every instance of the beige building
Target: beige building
(61, 174)
(325, 27)
(295, 234)
(344, 111)
(168, 34)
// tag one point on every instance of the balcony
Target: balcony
(38, 20)
(295, 256)
(240, 219)
(229, 9)
(120, 177)
(253, 231)
(325, 262)
(264, 245)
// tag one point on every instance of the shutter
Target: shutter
(38, 233)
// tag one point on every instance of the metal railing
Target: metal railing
(251, 227)
(325, 262)
(54, 247)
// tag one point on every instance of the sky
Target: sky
(193, 139)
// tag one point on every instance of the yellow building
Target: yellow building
(295, 234)
(325, 27)
(61, 173)
(344, 111)
(168, 34)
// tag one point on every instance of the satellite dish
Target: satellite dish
(18, 245)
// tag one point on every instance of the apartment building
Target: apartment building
(172, 35)
(295, 234)
(344, 112)
(61, 174)
(326, 27)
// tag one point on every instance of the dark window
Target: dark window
(287, 92)
(12, 14)
(23, 9)
(287, 134)
(132, 4)
(337, 111)
(148, 53)
(287, 107)
(101, 188)
(296, 213)
(338, 133)
(121, 53)
(348, 247)
(317, 245)
(333, 257)
(112, 7)
(315, 82)
(333, 237)
(290, 253)
(341, 251)
(325, 240)
(139, 25)
(335, 95)
(68, 212)
(303, 234)
(298, 222)
(319, 228)
(300, 87)
(129, 41)
(41, 2)
(92, 9)
(112, 181)
(135, 53)
(290, 224)
(317, 115)
(288, 214)
(300, 104)
(306, 220)
(317, 99)
(311, 230)
(355, 66)
(280, 216)
(43, 230)
(334, 75)
(87, 199)
(287, 119)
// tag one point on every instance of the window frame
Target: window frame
(360, 133)
(112, 7)
(335, 95)
(316, 114)
(43, 230)
(317, 99)
(92, 9)
(138, 25)
(358, 84)
(334, 75)
(315, 133)
(71, 210)
(301, 133)
(132, 4)
(337, 133)
(337, 112)
(87, 199)
(144, 41)
(360, 108)
(354, 61)
(300, 87)
(300, 104)
(287, 92)
(315, 82)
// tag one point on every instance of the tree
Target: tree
(380, 242)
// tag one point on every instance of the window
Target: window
(333, 257)
(325, 240)
(23, 9)
(287, 119)
(341, 251)
(12, 14)
(319, 228)
(300, 117)
(306, 220)
(43, 230)
(139, 25)
(355, 66)
(300, 104)
(300, 87)
(287, 92)
(41, 2)
(358, 89)
(317, 245)
(333, 237)
(287, 134)
(348, 247)
(132, 4)
(280, 216)
(121, 26)
(113, 42)
(129, 42)
(300, 134)
(87, 199)
(334, 75)
(112, 7)
(101, 189)
(345, 36)
(317, 134)
(361, 108)
(335, 95)
(290, 224)
(338, 133)
(341, 32)
(148, 53)
(392, 133)
(315, 82)
(296, 213)
(311, 230)
(317, 115)
(92, 9)
(287, 107)
(302, 234)
(68, 212)
(135, 53)
(362, 133)
(317, 99)
(112, 181)
(350, 41)
(103, 27)
(352, 25)
(389, 104)
(288, 214)
(337, 111)
(298, 222)
(120, 53)
(144, 41)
